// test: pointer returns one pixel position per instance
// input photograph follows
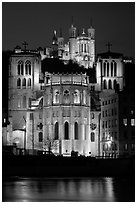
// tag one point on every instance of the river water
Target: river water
(100, 189)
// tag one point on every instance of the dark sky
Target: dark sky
(34, 22)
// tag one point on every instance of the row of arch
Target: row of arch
(110, 84)
(110, 69)
(23, 83)
(66, 96)
(20, 68)
(66, 131)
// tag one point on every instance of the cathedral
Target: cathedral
(62, 112)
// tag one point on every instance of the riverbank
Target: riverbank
(66, 166)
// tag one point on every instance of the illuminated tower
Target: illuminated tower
(72, 41)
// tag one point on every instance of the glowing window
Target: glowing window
(84, 97)
(125, 121)
(132, 122)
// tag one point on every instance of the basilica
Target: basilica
(66, 98)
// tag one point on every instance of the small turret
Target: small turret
(72, 32)
(54, 39)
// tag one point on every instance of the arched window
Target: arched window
(105, 84)
(92, 137)
(76, 130)
(104, 68)
(28, 67)
(66, 96)
(111, 69)
(109, 84)
(18, 83)
(24, 83)
(76, 96)
(40, 136)
(115, 69)
(84, 97)
(66, 130)
(20, 68)
(114, 84)
(29, 82)
(24, 101)
(56, 96)
(107, 68)
(56, 131)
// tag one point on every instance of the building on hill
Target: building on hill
(62, 95)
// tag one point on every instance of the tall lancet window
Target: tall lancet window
(109, 84)
(24, 83)
(114, 84)
(18, 83)
(76, 96)
(115, 69)
(105, 84)
(107, 69)
(66, 130)
(76, 130)
(20, 68)
(111, 69)
(56, 131)
(28, 67)
(29, 83)
(104, 68)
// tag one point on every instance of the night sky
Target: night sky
(34, 22)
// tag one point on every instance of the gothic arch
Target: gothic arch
(109, 84)
(40, 136)
(24, 83)
(105, 84)
(19, 83)
(20, 67)
(28, 67)
(66, 130)
(114, 84)
(29, 82)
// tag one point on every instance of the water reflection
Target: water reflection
(65, 189)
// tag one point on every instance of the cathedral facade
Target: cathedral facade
(57, 111)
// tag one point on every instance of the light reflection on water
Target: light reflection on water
(100, 189)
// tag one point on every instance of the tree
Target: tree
(51, 145)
